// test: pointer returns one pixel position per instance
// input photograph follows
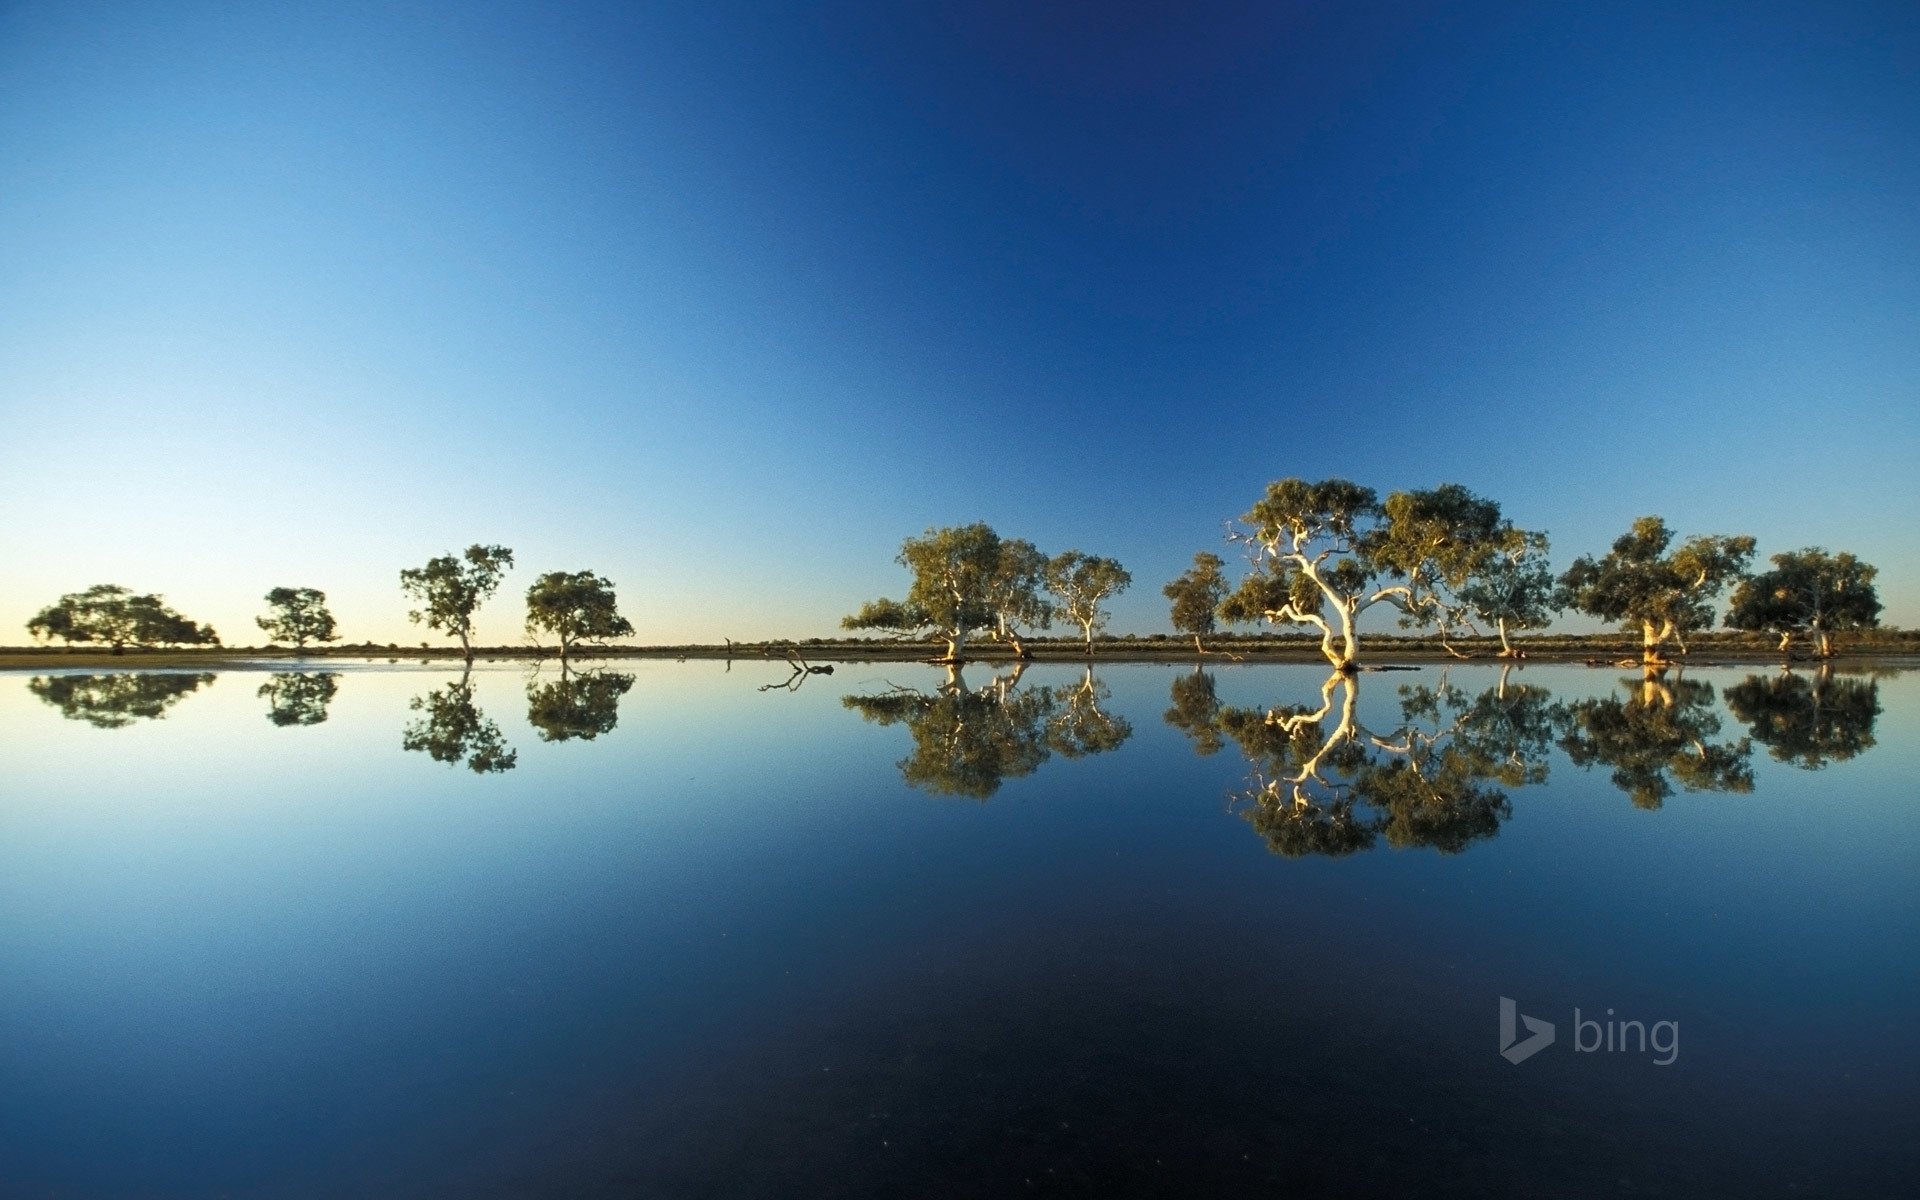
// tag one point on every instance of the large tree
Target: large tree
(1083, 583)
(1333, 546)
(298, 615)
(960, 587)
(1666, 594)
(1512, 587)
(1196, 595)
(1015, 595)
(116, 617)
(1808, 592)
(572, 606)
(450, 590)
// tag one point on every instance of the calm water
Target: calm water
(659, 933)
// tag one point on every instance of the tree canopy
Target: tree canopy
(114, 616)
(299, 697)
(1195, 596)
(1512, 586)
(574, 606)
(449, 589)
(1666, 594)
(116, 701)
(964, 582)
(1084, 583)
(298, 615)
(577, 706)
(452, 729)
(1808, 592)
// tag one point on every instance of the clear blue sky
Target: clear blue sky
(723, 302)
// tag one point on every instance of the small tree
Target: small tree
(953, 570)
(116, 617)
(1808, 591)
(573, 606)
(449, 590)
(1196, 595)
(1512, 587)
(1333, 545)
(298, 615)
(1014, 593)
(1666, 594)
(1084, 582)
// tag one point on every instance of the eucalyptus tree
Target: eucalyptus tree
(1662, 734)
(114, 616)
(1194, 709)
(1641, 583)
(452, 729)
(298, 615)
(1808, 592)
(1083, 583)
(116, 701)
(1334, 546)
(577, 706)
(1196, 595)
(956, 571)
(1014, 594)
(574, 606)
(1512, 586)
(1808, 722)
(299, 697)
(1081, 726)
(450, 589)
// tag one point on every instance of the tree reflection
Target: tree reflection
(968, 741)
(1808, 722)
(453, 730)
(1665, 732)
(577, 706)
(116, 701)
(299, 697)
(1323, 783)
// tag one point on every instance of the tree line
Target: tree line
(1445, 560)
(1318, 555)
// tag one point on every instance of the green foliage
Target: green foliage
(966, 580)
(298, 615)
(450, 590)
(1014, 594)
(1662, 734)
(453, 730)
(1081, 726)
(1808, 723)
(1512, 586)
(1638, 583)
(299, 697)
(1083, 583)
(1808, 591)
(579, 706)
(573, 606)
(116, 617)
(1196, 595)
(116, 701)
(1195, 711)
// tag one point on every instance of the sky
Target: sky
(723, 301)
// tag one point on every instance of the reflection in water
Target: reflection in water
(299, 697)
(577, 706)
(1808, 723)
(1430, 782)
(1196, 712)
(1662, 733)
(454, 730)
(115, 701)
(967, 742)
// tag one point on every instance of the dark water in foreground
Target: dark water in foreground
(659, 934)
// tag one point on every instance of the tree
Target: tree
(1808, 591)
(573, 606)
(1666, 594)
(1661, 734)
(954, 578)
(118, 618)
(1512, 587)
(1333, 545)
(299, 697)
(299, 615)
(1084, 583)
(1014, 593)
(1808, 723)
(1195, 711)
(966, 742)
(1196, 595)
(1081, 727)
(578, 706)
(449, 590)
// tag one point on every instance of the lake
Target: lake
(653, 931)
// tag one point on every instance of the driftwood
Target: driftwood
(801, 669)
